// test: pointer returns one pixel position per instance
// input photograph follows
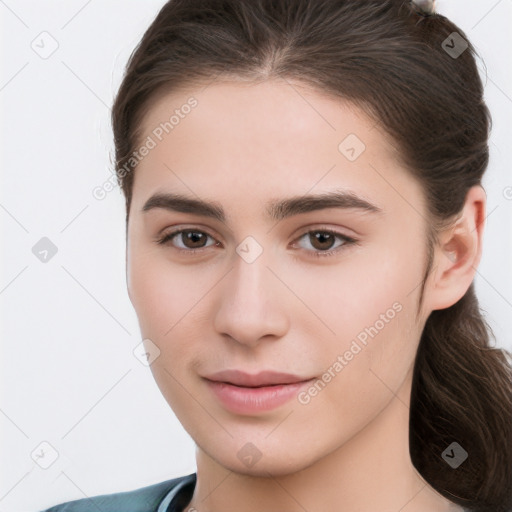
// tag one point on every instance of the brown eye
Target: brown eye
(196, 239)
(191, 239)
(322, 240)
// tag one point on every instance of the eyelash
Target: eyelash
(319, 254)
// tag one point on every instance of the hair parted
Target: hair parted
(388, 58)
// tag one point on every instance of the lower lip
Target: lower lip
(242, 400)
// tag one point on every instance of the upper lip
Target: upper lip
(264, 378)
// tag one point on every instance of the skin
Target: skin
(288, 310)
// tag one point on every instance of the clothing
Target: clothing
(168, 496)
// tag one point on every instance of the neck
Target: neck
(372, 471)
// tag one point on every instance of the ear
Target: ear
(458, 254)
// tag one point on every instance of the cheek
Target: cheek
(152, 294)
(364, 365)
(365, 289)
(166, 301)
(167, 297)
(371, 313)
(153, 288)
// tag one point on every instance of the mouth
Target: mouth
(261, 379)
(248, 394)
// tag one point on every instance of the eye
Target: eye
(321, 240)
(192, 236)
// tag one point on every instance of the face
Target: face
(268, 280)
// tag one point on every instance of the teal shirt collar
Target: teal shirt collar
(179, 496)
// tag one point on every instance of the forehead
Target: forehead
(274, 137)
(271, 112)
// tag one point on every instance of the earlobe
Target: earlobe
(459, 252)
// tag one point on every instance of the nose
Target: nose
(252, 303)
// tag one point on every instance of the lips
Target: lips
(262, 379)
(252, 394)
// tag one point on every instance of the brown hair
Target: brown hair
(395, 63)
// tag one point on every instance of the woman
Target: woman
(304, 218)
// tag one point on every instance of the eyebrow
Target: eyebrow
(276, 210)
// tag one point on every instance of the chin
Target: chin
(269, 462)
(265, 468)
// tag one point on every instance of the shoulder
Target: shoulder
(143, 499)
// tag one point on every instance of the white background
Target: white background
(68, 374)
